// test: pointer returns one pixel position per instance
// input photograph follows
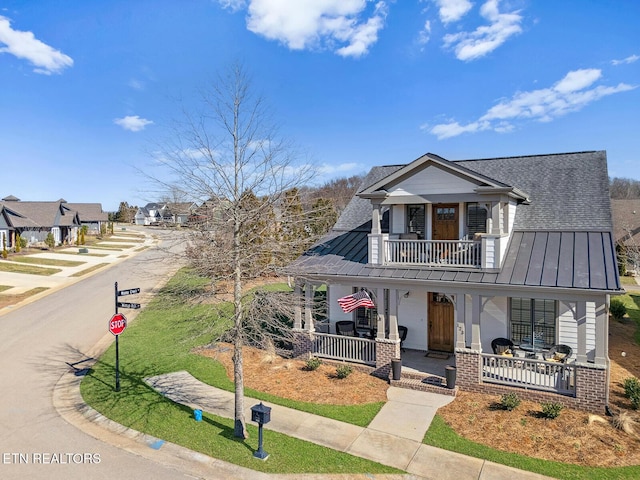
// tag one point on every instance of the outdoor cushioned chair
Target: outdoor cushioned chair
(402, 331)
(500, 345)
(558, 353)
(346, 328)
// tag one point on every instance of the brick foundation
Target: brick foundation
(590, 394)
(386, 350)
(302, 342)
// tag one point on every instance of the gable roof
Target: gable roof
(562, 238)
(89, 212)
(40, 214)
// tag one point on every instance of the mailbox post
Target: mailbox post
(262, 415)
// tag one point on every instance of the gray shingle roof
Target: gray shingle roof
(562, 239)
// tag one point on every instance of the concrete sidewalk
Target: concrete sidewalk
(393, 438)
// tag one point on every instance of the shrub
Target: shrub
(617, 309)
(551, 410)
(343, 371)
(510, 401)
(50, 241)
(313, 363)
(632, 391)
(22, 241)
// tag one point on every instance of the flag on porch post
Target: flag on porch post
(355, 300)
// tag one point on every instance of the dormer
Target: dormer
(441, 214)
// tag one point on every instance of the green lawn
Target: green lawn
(89, 270)
(46, 261)
(29, 269)
(160, 341)
(440, 435)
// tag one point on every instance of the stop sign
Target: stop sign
(117, 324)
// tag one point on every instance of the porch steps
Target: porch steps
(424, 383)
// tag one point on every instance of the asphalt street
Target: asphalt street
(40, 342)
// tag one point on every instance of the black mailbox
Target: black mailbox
(260, 414)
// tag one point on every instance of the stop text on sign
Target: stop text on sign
(117, 324)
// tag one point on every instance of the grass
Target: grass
(89, 270)
(8, 299)
(5, 287)
(28, 269)
(160, 341)
(52, 262)
(67, 252)
(627, 280)
(442, 436)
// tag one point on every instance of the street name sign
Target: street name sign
(130, 291)
(128, 305)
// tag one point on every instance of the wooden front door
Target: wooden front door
(441, 333)
(445, 221)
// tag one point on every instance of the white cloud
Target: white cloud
(570, 94)
(485, 39)
(452, 10)
(136, 84)
(343, 26)
(425, 34)
(327, 169)
(46, 59)
(629, 59)
(132, 123)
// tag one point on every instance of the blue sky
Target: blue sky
(86, 88)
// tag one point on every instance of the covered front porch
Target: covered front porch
(462, 325)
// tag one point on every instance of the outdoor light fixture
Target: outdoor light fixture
(262, 415)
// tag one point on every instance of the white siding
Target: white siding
(412, 313)
(432, 180)
(591, 331)
(493, 322)
(397, 219)
(567, 326)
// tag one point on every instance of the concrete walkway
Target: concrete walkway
(393, 438)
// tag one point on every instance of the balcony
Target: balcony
(434, 253)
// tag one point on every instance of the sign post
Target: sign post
(118, 323)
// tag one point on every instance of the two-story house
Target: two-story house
(464, 255)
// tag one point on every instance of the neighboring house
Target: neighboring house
(33, 221)
(91, 216)
(179, 213)
(157, 213)
(461, 253)
(150, 214)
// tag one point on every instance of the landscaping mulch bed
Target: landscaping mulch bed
(574, 437)
(270, 373)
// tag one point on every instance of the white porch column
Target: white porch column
(297, 308)
(581, 321)
(460, 317)
(381, 309)
(497, 222)
(476, 312)
(602, 332)
(393, 314)
(375, 219)
(308, 308)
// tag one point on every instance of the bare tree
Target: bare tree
(230, 159)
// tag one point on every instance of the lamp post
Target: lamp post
(262, 415)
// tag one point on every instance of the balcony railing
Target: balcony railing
(349, 349)
(529, 373)
(461, 253)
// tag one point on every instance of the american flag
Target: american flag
(353, 301)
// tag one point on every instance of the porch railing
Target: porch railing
(462, 253)
(529, 373)
(339, 347)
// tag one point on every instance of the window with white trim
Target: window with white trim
(533, 320)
